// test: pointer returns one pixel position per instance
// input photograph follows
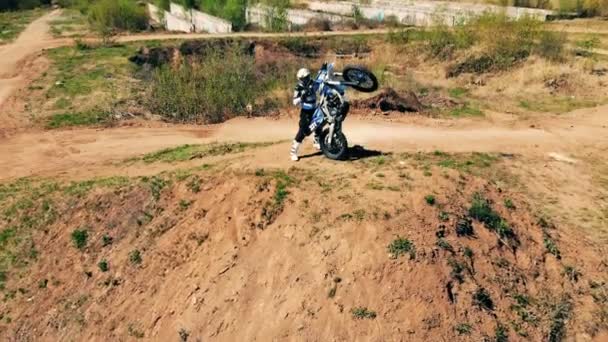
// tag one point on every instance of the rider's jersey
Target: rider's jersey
(305, 96)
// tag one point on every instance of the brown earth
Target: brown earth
(241, 259)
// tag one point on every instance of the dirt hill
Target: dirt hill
(391, 247)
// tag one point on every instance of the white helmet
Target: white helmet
(303, 74)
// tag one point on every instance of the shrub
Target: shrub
(430, 199)
(464, 227)
(400, 246)
(206, 91)
(135, 257)
(103, 265)
(463, 329)
(482, 299)
(482, 211)
(362, 312)
(584, 47)
(551, 45)
(79, 238)
(109, 16)
(6, 5)
(276, 18)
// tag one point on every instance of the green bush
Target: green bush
(551, 45)
(231, 10)
(206, 91)
(108, 16)
(10, 5)
(79, 238)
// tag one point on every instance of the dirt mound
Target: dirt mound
(389, 100)
(374, 250)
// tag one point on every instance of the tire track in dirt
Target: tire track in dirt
(51, 153)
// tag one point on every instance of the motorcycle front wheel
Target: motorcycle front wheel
(363, 80)
(337, 149)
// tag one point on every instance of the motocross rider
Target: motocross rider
(305, 96)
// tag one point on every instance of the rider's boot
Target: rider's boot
(294, 151)
(316, 142)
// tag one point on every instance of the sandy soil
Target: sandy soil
(220, 265)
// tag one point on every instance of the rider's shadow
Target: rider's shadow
(354, 153)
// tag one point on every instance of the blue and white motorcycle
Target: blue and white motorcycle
(332, 106)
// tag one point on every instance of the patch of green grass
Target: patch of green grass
(400, 246)
(184, 205)
(572, 273)
(79, 238)
(79, 72)
(430, 199)
(509, 204)
(106, 240)
(80, 189)
(188, 152)
(561, 313)
(103, 265)
(466, 110)
(156, 184)
(458, 92)
(551, 246)
(482, 211)
(13, 23)
(465, 162)
(62, 103)
(194, 185)
(363, 313)
(482, 299)
(135, 257)
(557, 104)
(463, 329)
(501, 333)
(71, 24)
(464, 227)
(457, 270)
(444, 244)
(87, 118)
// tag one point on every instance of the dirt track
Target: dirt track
(40, 153)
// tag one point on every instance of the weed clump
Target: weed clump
(400, 246)
(482, 211)
(561, 313)
(551, 247)
(430, 199)
(363, 313)
(211, 90)
(463, 329)
(464, 227)
(108, 16)
(103, 265)
(482, 299)
(444, 244)
(79, 238)
(135, 257)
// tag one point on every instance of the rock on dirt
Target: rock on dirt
(389, 100)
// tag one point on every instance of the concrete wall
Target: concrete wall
(156, 14)
(422, 13)
(208, 23)
(201, 22)
(258, 15)
(176, 24)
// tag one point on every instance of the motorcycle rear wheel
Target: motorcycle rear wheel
(337, 149)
